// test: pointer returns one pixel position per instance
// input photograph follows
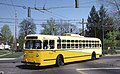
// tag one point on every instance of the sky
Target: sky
(69, 12)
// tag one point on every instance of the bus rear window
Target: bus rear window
(33, 44)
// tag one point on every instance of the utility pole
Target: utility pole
(83, 28)
(83, 32)
(15, 30)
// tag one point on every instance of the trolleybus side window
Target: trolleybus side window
(76, 43)
(51, 44)
(68, 43)
(72, 43)
(45, 44)
(63, 43)
(59, 44)
(38, 44)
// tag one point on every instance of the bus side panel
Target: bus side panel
(48, 57)
(72, 56)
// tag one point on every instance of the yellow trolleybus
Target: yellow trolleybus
(42, 50)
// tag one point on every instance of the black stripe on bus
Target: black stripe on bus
(49, 59)
(76, 56)
(69, 57)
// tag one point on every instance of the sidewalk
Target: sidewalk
(9, 58)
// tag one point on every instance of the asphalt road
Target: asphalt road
(104, 65)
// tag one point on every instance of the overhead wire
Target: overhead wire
(39, 19)
(6, 22)
(88, 2)
(56, 14)
(49, 12)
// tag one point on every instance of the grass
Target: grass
(13, 55)
(4, 52)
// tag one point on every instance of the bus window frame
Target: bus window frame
(33, 44)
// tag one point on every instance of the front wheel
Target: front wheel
(59, 61)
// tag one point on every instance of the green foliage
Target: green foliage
(21, 42)
(111, 42)
(111, 38)
(6, 33)
(93, 20)
(49, 27)
(27, 26)
(53, 28)
(109, 51)
(97, 20)
(65, 27)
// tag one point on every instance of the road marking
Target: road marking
(84, 69)
(7, 58)
(81, 72)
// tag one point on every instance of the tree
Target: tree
(21, 41)
(93, 20)
(65, 27)
(114, 6)
(27, 26)
(97, 21)
(111, 41)
(105, 22)
(59, 28)
(6, 34)
(49, 27)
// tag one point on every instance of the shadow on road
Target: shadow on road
(78, 62)
(31, 67)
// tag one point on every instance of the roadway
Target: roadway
(104, 65)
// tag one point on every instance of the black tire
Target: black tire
(59, 61)
(93, 56)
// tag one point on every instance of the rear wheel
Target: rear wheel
(93, 57)
(59, 61)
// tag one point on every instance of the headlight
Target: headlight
(24, 54)
(37, 55)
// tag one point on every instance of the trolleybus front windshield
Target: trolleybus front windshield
(33, 44)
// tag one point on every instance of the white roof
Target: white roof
(64, 37)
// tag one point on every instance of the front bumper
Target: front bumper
(30, 62)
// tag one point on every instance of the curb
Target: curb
(11, 58)
(112, 55)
